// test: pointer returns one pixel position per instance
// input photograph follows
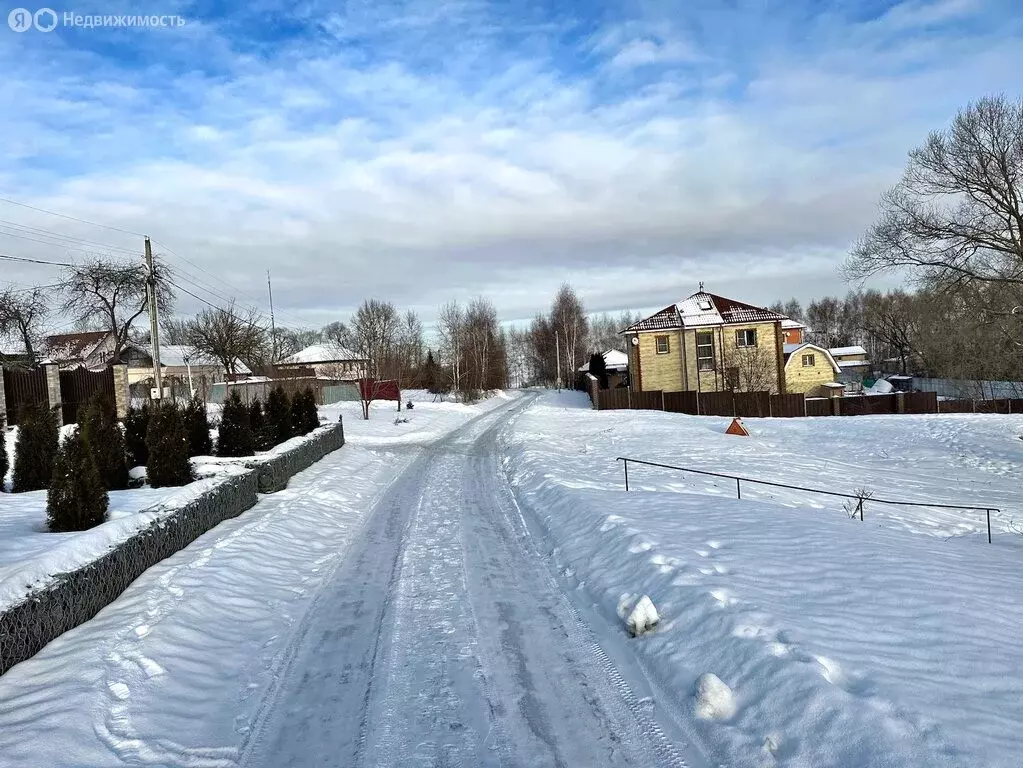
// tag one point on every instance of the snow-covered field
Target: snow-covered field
(889, 642)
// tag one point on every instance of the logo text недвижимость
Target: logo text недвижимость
(47, 20)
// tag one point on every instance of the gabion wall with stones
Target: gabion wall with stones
(79, 595)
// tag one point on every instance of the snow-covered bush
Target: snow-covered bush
(3, 452)
(643, 617)
(77, 499)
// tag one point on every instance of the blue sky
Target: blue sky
(429, 151)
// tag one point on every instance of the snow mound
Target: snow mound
(643, 617)
(881, 387)
(714, 699)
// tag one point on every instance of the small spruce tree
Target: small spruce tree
(432, 375)
(35, 449)
(136, 427)
(235, 434)
(167, 441)
(104, 441)
(598, 367)
(278, 416)
(298, 418)
(261, 437)
(198, 424)
(77, 499)
(4, 461)
(310, 413)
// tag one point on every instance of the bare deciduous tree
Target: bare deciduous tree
(227, 336)
(956, 217)
(21, 316)
(570, 326)
(110, 294)
(749, 369)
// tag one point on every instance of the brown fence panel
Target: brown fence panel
(610, 399)
(21, 389)
(752, 404)
(955, 406)
(819, 406)
(1003, 406)
(921, 402)
(77, 386)
(717, 404)
(788, 405)
(1016, 406)
(876, 404)
(646, 400)
(680, 402)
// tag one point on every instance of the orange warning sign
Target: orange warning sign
(736, 428)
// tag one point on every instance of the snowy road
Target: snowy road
(443, 640)
(389, 608)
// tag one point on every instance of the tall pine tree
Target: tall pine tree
(36, 448)
(77, 499)
(104, 441)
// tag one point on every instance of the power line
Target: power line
(71, 218)
(8, 257)
(26, 232)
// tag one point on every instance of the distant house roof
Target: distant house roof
(841, 351)
(793, 349)
(788, 323)
(66, 347)
(321, 353)
(180, 356)
(613, 361)
(853, 363)
(704, 309)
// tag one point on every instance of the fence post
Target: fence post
(988, 525)
(836, 406)
(626, 462)
(738, 489)
(859, 508)
(628, 399)
(53, 391)
(121, 390)
(900, 402)
(662, 399)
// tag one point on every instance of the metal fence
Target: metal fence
(970, 389)
(861, 499)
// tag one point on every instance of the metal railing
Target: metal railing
(860, 498)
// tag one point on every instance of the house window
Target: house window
(662, 345)
(809, 361)
(705, 351)
(746, 337)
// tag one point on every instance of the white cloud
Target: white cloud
(500, 173)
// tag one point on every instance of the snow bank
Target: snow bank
(846, 640)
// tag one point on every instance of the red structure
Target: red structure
(736, 428)
(379, 389)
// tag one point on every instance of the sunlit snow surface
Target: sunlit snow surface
(890, 642)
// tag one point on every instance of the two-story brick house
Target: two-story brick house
(708, 343)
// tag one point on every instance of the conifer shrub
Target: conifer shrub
(167, 441)
(36, 448)
(278, 416)
(198, 425)
(104, 441)
(136, 428)
(235, 436)
(261, 436)
(4, 461)
(311, 415)
(298, 416)
(77, 499)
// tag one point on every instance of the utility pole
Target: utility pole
(273, 325)
(557, 350)
(154, 324)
